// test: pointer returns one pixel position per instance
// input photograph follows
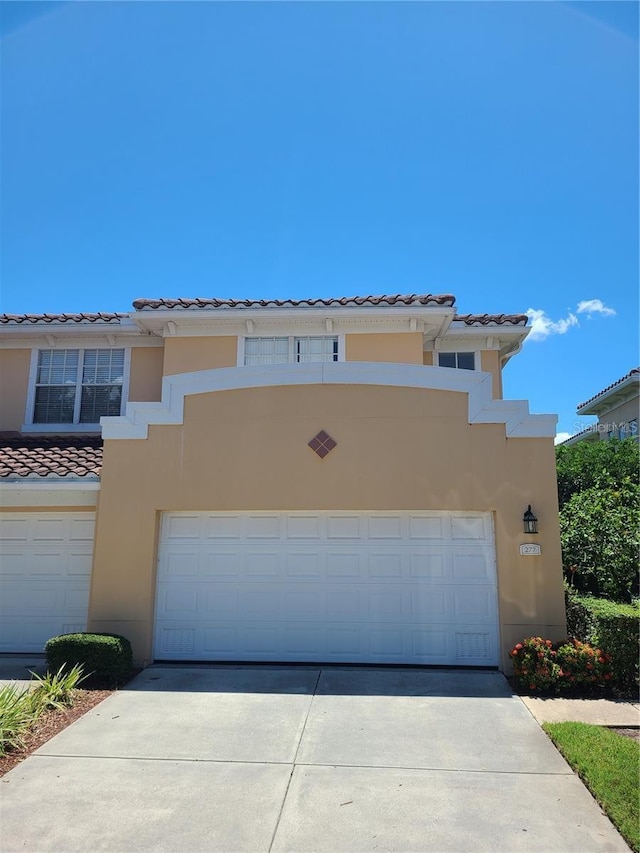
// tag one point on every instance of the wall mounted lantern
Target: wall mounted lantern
(530, 521)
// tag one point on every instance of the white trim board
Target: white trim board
(514, 414)
(48, 493)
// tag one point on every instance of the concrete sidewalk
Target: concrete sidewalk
(340, 760)
(598, 712)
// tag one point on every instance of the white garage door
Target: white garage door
(385, 587)
(45, 571)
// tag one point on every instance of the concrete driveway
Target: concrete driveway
(241, 758)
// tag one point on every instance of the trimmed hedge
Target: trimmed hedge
(612, 626)
(106, 658)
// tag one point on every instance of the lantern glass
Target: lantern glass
(530, 521)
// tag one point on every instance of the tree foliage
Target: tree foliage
(599, 513)
(595, 464)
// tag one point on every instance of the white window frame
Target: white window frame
(30, 426)
(292, 353)
(475, 353)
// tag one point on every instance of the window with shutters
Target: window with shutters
(78, 386)
(288, 350)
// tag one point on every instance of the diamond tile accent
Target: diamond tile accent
(322, 444)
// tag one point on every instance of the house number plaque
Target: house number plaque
(530, 550)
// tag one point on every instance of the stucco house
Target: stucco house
(616, 408)
(333, 480)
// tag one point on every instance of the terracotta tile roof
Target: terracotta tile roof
(636, 370)
(56, 455)
(492, 319)
(345, 301)
(102, 317)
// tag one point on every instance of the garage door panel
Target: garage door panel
(346, 565)
(470, 527)
(380, 587)
(14, 529)
(303, 527)
(45, 564)
(264, 564)
(430, 528)
(426, 565)
(344, 527)
(385, 565)
(12, 564)
(476, 603)
(220, 528)
(180, 563)
(79, 564)
(305, 564)
(472, 567)
(264, 526)
(82, 530)
(387, 527)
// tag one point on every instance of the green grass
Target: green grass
(609, 765)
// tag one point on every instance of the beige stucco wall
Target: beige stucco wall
(14, 384)
(184, 355)
(427, 358)
(398, 347)
(490, 362)
(145, 382)
(398, 448)
(624, 413)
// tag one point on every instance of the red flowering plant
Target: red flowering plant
(534, 664)
(544, 667)
(582, 666)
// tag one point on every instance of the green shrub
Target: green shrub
(600, 540)
(106, 658)
(612, 626)
(545, 667)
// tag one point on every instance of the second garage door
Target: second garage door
(45, 572)
(383, 587)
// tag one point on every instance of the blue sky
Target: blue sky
(483, 149)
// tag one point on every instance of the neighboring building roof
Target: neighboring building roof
(584, 434)
(492, 319)
(343, 302)
(629, 378)
(45, 456)
(102, 317)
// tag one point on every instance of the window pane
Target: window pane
(57, 367)
(99, 400)
(54, 405)
(266, 350)
(320, 348)
(466, 361)
(447, 359)
(103, 366)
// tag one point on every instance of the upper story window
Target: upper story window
(461, 360)
(287, 350)
(75, 386)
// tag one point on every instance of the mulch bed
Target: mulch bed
(50, 723)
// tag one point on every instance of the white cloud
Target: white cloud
(562, 436)
(595, 306)
(542, 325)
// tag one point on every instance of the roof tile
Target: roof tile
(102, 317)
(43, 456)
(492, 319)
(345, 301)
